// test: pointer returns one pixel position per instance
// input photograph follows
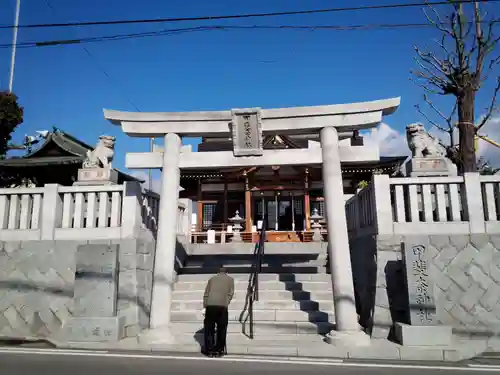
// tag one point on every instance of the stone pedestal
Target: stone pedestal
(423, 335)
(97, 176)
(159, 336)
(348, 338)
(430, 166)
(95, 329)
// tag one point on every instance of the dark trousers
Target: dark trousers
(215, 316)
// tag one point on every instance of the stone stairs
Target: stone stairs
(295, 306)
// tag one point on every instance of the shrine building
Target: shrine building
(287, 195)
(56, 160)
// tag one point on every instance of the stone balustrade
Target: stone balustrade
(430, 205)
(55, 212)
(457, 220)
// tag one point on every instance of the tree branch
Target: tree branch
(441, 66)
(492, 108)
(426, 89)
(447, 119)
(442, 45)
(439, 21)
(434, 72)
(481, 46)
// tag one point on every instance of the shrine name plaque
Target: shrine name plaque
(247, 132)
(419, 282)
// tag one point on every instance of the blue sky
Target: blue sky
(211, 70)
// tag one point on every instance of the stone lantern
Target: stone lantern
(316, 226)
(237, 220)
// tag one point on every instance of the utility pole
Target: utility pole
(14, 45)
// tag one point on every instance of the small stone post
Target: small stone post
(131, 209)
(51, 211)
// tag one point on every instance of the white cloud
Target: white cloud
(390, 141)
(486, 150)
(156, 182)
(393, 142)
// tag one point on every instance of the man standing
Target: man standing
(218, 295)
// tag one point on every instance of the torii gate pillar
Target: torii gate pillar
(163, 272)
(347, 326)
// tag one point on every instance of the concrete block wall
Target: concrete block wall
(135, 282)
(465, 270)
(37, 284)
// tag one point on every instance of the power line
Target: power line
(164, 32)
(94, 60)
(248, 15)
(170, 32)
(117, 87)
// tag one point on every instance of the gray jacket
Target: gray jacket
(219, 291)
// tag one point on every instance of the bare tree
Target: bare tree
(462, 62)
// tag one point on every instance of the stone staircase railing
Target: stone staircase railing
(428, 205)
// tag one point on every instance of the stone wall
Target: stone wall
(465, 270)
(136, 262)
(364, 269)
(39, 295)
(182, 251)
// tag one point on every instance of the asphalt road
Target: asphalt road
(35, 362)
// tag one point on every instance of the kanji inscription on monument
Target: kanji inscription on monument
(420, 287)
(247, 132)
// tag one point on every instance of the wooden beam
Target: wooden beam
(272, 186)
(238, 172)
(248, 207)
(199, 214)
(307, 201)
(226, 213)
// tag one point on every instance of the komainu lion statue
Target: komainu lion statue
(422, 144)
(102, 155)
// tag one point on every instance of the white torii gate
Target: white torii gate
(247, 128)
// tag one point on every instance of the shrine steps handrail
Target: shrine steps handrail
(253, 282)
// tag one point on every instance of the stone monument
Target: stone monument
(96, 168)
(424, 328)
(428, 155)
(95, 296)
